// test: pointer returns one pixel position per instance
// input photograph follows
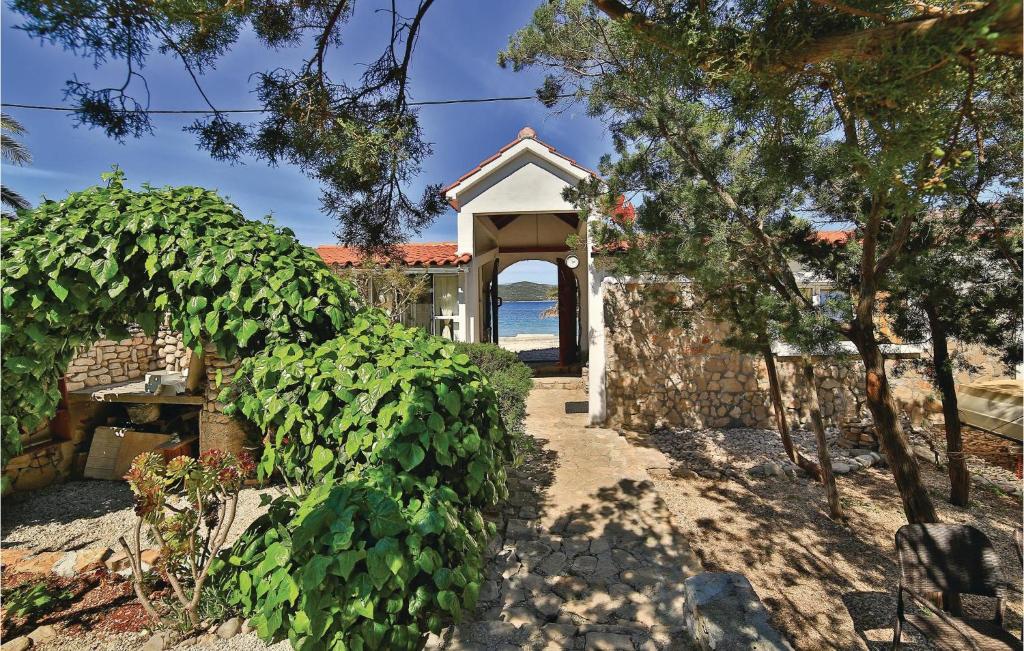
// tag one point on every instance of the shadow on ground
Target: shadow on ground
(606, 574)
(828, 584)
(67, 516)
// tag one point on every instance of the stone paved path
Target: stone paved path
(590, 558)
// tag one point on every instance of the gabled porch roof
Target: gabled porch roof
(526, 140)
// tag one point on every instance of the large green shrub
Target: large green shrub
(411, 428)
(85, 267)
(510, 378)
(407, 424)
(358, 565)
(383, 394)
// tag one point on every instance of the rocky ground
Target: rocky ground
(829, 585)
(89, 513)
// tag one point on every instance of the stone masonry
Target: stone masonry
(109, 362)
(687, 378)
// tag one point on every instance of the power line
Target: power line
(434, 102)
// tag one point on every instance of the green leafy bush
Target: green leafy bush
(357, 565)
(86, 267)
(383, 394)
(411, 427)
(510, 378)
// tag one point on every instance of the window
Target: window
(446, 304)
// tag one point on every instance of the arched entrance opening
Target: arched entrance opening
(532, 307)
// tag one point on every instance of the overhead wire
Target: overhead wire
(209, 111)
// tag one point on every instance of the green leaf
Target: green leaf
(344, 562)
(322, 457)
(447, 600)
(118, 287)
(428, 521)
(60, 291)
(410, 455)
(196, 304)
(383, 560)
(452, 402)
(147, 242)
(244, 582)
(248, 329)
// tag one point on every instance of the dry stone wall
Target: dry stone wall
(686, 378)
(108, 362)
(216, 430)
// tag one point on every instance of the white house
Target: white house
(510, 208)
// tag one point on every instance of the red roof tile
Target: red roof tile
(834, 237)
(414, 254)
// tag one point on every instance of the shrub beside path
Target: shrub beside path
(590, 558)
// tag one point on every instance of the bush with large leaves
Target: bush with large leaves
(412, 427)
(510, 378)
(357, 565)
(87, 266)
(383, 394)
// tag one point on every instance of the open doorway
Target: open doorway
(534, 311)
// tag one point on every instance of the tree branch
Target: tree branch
(867, 44)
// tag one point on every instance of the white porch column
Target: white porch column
(469, 279)
(595, 313)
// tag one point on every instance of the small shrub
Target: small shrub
(190, 535)
(510, 378)
(353, 565)
(32, 600)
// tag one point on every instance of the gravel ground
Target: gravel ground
(828, 585)
(89, 513)
(135, 641)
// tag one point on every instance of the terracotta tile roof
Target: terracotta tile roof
(834, 237)
(525, 134)
(413, 254)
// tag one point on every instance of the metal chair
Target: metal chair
(950, 559)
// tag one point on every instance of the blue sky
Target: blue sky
(455, 58)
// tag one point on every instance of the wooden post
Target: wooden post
(566, 315)
(495, 303)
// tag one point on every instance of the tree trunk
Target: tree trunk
(916, 503)
(835, 509)
(775, 390)
(959, 478)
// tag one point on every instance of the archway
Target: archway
(532, 307)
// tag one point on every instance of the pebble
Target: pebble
(17, 644)
(42, 634)
(158, 642)
(230, 628)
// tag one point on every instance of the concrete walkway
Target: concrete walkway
(590, 558)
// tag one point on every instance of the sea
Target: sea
(523, 318)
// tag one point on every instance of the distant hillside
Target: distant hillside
(526, 291)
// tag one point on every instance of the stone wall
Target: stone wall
(686, 378)
(216, 430)
(108, 362)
